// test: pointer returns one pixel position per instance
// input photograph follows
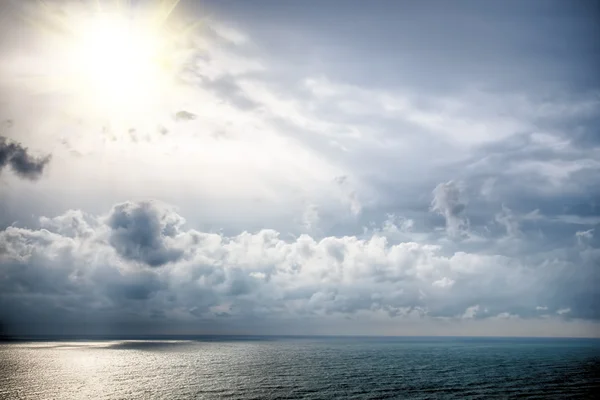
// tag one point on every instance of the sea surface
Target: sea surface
(300, 368)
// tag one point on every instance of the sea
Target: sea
(300, 368)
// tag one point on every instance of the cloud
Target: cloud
(505, 315)
(139, 263)
(310, 218)
(507, 219)
(349, 193)
(227, 89)
(16, 156)
(443, 283)
(449, 201)
(316, 123)
(145, 232)
(184, 116)
(470, 312)
(492, 146)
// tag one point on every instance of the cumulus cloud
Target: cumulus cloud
(16, 156)
(145, 232)
(139, 262)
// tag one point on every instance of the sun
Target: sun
(118, 60)
(108, 58)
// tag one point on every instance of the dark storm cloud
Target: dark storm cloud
(16, 156)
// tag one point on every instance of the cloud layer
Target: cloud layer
(140, 264)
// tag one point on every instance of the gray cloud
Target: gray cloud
(507, 219)
(227, 89)
(16, 156)
(145, 232)
(77, 267)
(448, 201)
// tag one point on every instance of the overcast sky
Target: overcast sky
(315, 167)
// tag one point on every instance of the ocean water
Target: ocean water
(300, 368)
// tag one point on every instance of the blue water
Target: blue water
(300, 368)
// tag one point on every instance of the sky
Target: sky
(316, 167)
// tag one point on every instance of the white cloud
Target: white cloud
(505, 315)
(229, 33)
(471, 312)
(555, 172)
(258, 275)
(443, 283)
(583, 237)
(140, 259)
(310, 218)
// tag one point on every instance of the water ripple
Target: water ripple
(299, 369)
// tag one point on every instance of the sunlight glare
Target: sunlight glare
(116, 60)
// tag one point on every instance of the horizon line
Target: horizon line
(41, 337)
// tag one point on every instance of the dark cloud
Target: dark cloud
(143, 232)
(16, 156)
(140, 286)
